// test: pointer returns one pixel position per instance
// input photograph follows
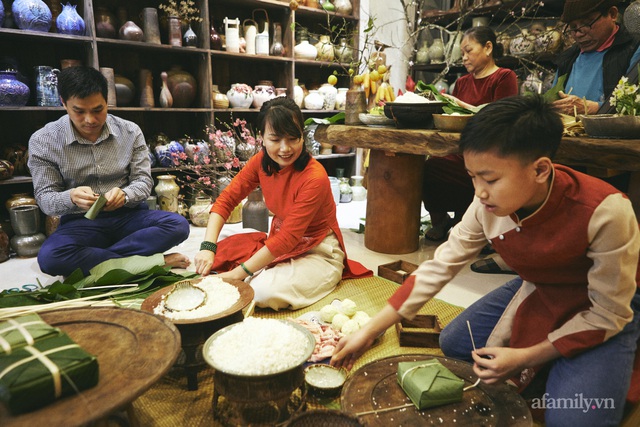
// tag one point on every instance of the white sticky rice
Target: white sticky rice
(259, 347)
(220, 296)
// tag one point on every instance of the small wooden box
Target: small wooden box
(422, 331)
(396, 271)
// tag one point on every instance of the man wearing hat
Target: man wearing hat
(603, 52)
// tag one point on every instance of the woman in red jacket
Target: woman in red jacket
(446, 185)
(303, 257)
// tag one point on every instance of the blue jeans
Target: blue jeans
(602, 372)
(82, 243)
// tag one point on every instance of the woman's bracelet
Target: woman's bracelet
(208, 246)
(246, 270)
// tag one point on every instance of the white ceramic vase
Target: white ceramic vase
(305, 50)
(341, 98)
(261, 94)
(167, 191)
(240, 96)
(359, 192)
(314, 101)
(329, 94)
(298, 94)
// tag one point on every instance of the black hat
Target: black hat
(576, 9)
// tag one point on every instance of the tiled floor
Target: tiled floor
(463, 290)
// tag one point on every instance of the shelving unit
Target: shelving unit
(209, 67)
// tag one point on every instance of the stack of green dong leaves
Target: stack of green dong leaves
(40, 363)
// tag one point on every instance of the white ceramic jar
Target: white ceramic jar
(329, 93)
(341, 98)
(240, 95)
(314, 101)
(261, 94)
(305, 50)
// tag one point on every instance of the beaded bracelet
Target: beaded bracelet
(246, 270)
(208, 246)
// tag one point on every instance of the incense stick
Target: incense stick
(379, 411)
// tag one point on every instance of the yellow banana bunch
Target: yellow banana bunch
(385, 93)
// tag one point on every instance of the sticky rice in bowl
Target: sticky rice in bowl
(258, 359)
(413, 111)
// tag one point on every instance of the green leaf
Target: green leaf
(450, 106)
(552, 94)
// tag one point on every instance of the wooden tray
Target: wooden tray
(134, 350)
(396, 271)
(422, 331)
(246, 296)
(375, 387)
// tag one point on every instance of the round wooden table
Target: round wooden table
(134, 350)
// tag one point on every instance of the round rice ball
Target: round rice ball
(348, 307)
(361, 317)
(327, 312)
(349, 327)
(338, 321)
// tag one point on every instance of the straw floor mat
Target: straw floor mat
(168, 403)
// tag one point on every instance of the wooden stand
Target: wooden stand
(393, 202)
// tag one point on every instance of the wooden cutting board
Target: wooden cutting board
(375, 387)
(134, 350)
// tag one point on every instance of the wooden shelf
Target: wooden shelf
(17, 180)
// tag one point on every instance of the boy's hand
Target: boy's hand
(83, 197)
(351, 347)
(497, 364)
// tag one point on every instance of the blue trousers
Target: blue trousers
(602, 373)
(82, 243)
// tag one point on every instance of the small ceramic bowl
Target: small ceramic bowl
(324, 380)
(450, 122)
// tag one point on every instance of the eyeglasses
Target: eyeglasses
(582, 28)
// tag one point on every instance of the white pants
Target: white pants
(301, 281)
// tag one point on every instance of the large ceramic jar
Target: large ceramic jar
(329, 93)
(199, 211)
(522, 44)
(255, 213)
(130, 31)
(32, 15)
(314, 101)
(240, 95)
(262, 93)
(325, 49)
(183, 87)
(26, 222)
(359, 192)
(69, 21)
(305, 50)
(12, 91)
(167, 191)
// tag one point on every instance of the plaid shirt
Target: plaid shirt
(60, 160)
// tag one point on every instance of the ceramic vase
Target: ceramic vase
(305, 50)
(46, 86)
(190, 39)
(165, 98)
(150, 25)
(32, 15)
(218, 99)
(183, 87)
(1, 14)
(240, 95)
(359, 192)
(422, 56)
(522, 44)
(146, 89)
(199, 211)
(6, 170)
(130, 31)
(125, 91)
(197, 152)
(327, 5)
(343, 52)
(314, 101)
(69, 21)
(436, 51)
(453, 49)
(5, 245)
(632, 17)
(255, 213)
(232, 34)
(277, 48)
(12, 91)
(329, 93)
(26, 222)
(325, 49)
(346, 194)
(341, 98)
(355, 104)
(175, 31)
(167, 191)
(214, 37)
(244, 151)
(262, 93)
(109, 75)
(343, 6)
(105, 23)
(298, 93)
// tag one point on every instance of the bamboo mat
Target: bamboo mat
(169, 403)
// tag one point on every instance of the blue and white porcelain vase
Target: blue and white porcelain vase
(1, 14)
(32, 15)
(12, 91)
(69, 21)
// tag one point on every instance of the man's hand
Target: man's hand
(115, 199)
(83, 197)
(566, 104)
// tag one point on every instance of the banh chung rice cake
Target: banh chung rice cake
(259, 347)
(219, 296)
